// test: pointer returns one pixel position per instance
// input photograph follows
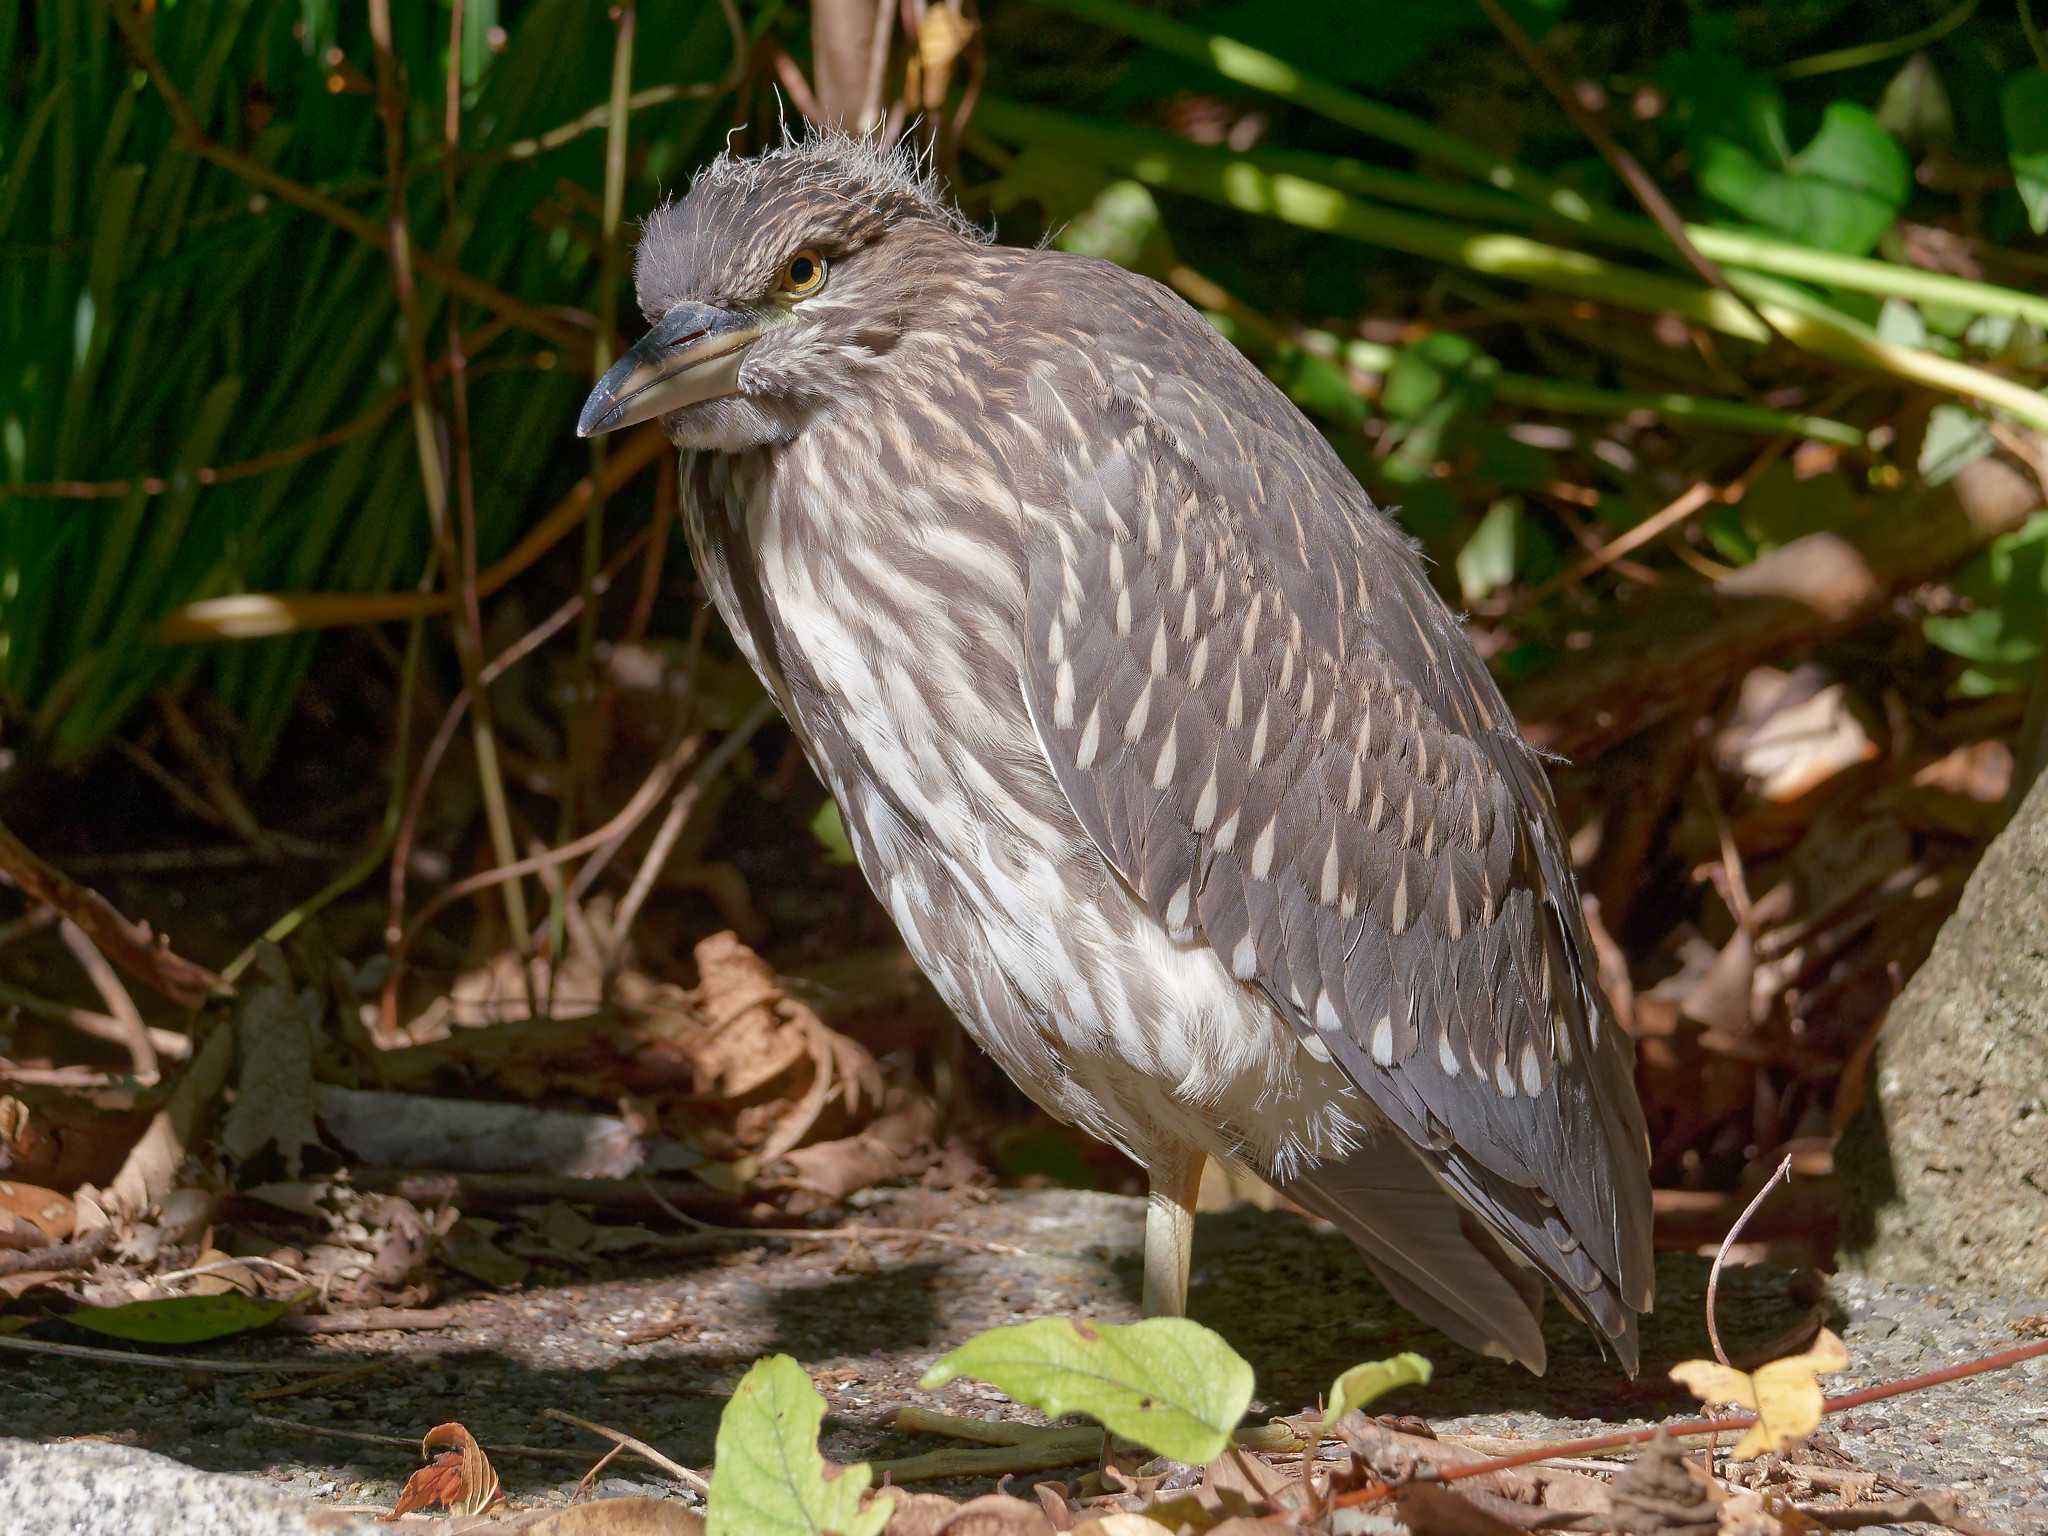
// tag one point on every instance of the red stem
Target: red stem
(1372, 1493)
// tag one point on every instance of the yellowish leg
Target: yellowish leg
(1176, 1174)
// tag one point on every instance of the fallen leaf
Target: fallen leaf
(1123, 1523)
(769, 1480)
(275, 1028)
(1786, 1394)
(183, 1319)
(33, 1217)
(1167, 1383)
(612, 1517)
(1362, 1383)
(469, 1248)
(459, 1478)
(993, 1514)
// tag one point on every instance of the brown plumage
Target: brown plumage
(1183, 785)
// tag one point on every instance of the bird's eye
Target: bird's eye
(803, 275)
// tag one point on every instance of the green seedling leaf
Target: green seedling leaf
(769, 1479)
(2024, 102)
(1167, 1383)
(1487, 562)
(830, 832)
(1956, 438)
(1362, 1383)
(1840, 193)
(184, 1319)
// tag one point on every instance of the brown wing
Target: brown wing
(1272, 728)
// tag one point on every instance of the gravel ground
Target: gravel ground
(655, 1352)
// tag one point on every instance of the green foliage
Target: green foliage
(1168, 1384)
(183, 1319)
(2006, 588)
(159, 316)
(2024, 102)
(830, 831)
(1840, 193)
(769, 1479)
(1363, 1383)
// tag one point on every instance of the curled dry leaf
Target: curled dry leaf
(767, 1074)
(993, 1514)
(1786, 1394)
(33, 1217)
(458, 1476)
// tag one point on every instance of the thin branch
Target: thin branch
(120, 1006)
(658, 850)
(1860, 55)
(259, 615)
(194, 136)
(1784, 1171)
(1694, 1428)
(467, 626)
(640, 1448)
(1633, 176)
(133, 946)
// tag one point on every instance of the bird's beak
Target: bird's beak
(692, 354)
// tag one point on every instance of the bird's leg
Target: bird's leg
(1176, 1173)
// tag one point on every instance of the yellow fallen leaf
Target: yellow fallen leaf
(1786, 1393)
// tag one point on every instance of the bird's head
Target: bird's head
(773, 286)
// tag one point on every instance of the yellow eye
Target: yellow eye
(804, 274)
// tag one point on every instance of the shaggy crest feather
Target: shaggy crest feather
(892, 176)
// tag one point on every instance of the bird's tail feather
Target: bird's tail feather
(1433, 1257)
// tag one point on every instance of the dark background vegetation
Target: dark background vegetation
(1699, 344)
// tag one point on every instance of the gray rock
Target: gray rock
(95, 1488)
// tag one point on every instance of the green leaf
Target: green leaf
(1167, 1383)
(1840, 193)
(1487, 562)
(2024, 101)
(1122, 225)
(1915, 106)
(1362, 1383)
(830, 831)
(769, 1479)
(1956, 438)
(184, 1319)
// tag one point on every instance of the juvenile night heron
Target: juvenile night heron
(1185, 789)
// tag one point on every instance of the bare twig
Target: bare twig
(370, 1320)
(1700, 1428)
(75, 1254)
(458, 564)
(161, 1362)
(1784, 1171)
(1633, 176)
(409, 1442)
(167, 1043)
(257, 615)
(192, 134)
(640, 1448)
(1915, 1509)
(721, 756)
(134, 1032)
(130, 945)
(847, 1234)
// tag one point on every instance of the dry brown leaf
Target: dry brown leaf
(151, 1169)
(605, 1517)
(33, 1217)
(1791, 732)
(994, 1514)
(1429, 1510)
(1786, 1394)
(458, 1478)
(229, 1277)
(1122, 1524)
